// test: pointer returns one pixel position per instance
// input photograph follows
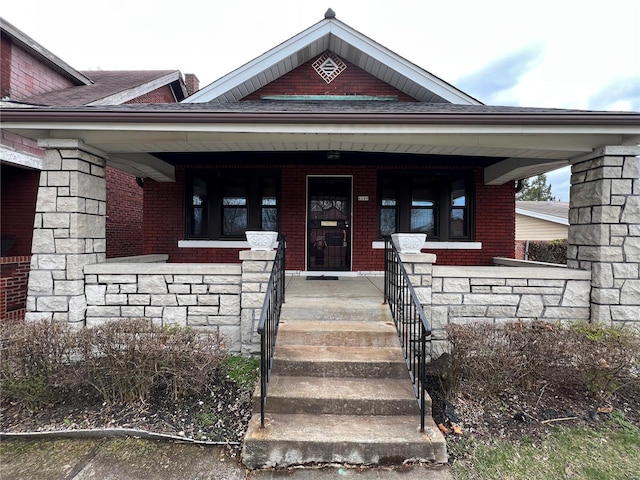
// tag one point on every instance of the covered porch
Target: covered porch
(69, 232)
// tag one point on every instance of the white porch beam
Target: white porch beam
(512, 169)
(143, 165)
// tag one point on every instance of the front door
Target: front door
(329, 223)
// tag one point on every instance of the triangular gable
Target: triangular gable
(44, 55)
(328, 77)
(114, 88)
(334, 36)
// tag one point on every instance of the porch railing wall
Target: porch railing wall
(411, 323)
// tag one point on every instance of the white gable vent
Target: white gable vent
(329, 66)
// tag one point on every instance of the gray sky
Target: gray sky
(560, 54)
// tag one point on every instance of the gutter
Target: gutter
(27, 115)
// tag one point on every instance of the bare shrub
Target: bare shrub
(518, 353)
(534, 355)
(129, 360)
(126, 360)
(34, 359)
(607, 358)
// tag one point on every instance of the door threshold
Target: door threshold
(328, 273)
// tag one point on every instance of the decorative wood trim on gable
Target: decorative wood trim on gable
(329, 66)
(345, 42)
(306, 83)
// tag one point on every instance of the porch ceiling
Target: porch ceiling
(520, 151)
(521, 141)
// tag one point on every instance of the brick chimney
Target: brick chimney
(192, 83)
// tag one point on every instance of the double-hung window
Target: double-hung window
(225, 204)
(438, 205)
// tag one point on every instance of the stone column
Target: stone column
(419, 267)
(604, 231)
(256, 270)
(69, 230)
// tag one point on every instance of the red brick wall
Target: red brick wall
(19, 193)
(124, 214)
(495, 227)
(164, 219)
(5, 66)
(159, 95)
(28, 76)
(14, 275)
(22, 144)
(304, 80)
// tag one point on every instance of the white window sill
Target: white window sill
(213, 244)
(440, 245)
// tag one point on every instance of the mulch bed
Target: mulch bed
(219, 416)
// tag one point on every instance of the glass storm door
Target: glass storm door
(329, 224)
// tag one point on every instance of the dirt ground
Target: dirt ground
(514, 415)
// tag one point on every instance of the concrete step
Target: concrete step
(341, 396)
(339, 306)
(339, 361)
(337, 333)
(299, 439)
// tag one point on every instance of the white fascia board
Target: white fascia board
(259, 64)
(542, 216)
(511, 131)
(401, 65)
(348, 35)
(135, 92)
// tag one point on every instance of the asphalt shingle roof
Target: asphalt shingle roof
(106, 83)
(553, 209)
(326, 106)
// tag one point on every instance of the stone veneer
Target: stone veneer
(604, 231)
(168, 294)
(464, 295)
(256, 270)
(69, 230)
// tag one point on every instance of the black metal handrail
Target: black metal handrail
(269, 320)
(410, 320)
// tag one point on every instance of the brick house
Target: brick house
(32, 75)
(335, 141)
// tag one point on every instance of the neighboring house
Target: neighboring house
(329, 136)
(540, 222)
(32, 75)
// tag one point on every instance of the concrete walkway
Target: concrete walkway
(136, 459)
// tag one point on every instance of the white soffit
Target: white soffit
(143, 165)
(347, 43)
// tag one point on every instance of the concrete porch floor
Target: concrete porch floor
(361, 296)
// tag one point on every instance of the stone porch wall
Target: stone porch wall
(185, 295)
(464, 295)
